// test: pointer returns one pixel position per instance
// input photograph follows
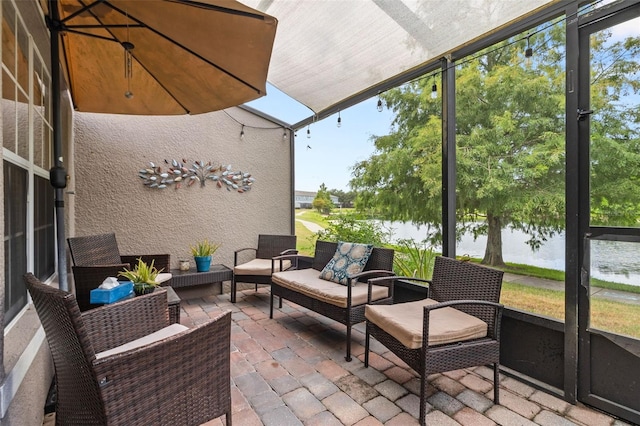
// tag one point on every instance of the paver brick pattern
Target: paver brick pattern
(290, 370)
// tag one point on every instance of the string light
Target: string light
(339, 119)
(379, 103)
(434, 89)
(242, 132)
(528, 53)
(308, 132)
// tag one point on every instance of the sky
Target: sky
(330, 153)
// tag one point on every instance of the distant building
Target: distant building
(304, 199)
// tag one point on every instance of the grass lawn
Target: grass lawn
(622, 318)
(305, 240)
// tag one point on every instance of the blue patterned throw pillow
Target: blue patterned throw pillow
(349, 259)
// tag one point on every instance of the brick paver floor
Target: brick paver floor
(291, 370)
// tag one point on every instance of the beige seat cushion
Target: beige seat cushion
(163, 277)
(260, 267)
(306, 281)
(404, 322)
(146, 340)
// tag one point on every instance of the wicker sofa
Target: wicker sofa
(342, 303)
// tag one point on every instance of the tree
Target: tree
(323, 202)
(510, 143)
(346, 198)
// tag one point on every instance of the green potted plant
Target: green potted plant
(202, 252)
(143, 277)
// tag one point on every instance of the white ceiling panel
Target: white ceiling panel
(327, 51)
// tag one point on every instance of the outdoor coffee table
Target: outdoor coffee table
(216, 274)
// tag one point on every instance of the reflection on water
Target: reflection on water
(610, 260)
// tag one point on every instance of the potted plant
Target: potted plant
(202, 252)
(143, 277)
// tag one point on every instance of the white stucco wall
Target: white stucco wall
(109, 150)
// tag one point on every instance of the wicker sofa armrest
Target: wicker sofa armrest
(370, 273)
(389, 281)
(288, 251)
(289, 254)
(374, 273)
(116, 324)
(493, 332)
(196, 361)
(162, 262)
(300, 260)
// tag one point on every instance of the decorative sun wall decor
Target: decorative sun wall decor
(178, 174)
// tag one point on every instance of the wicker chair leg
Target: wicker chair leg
(271, 305)
(348, 357)
(228, 418)
(256, 287)
(280, 302)
(366, 346)
(496, 383)
(423, 398)
(233, 289)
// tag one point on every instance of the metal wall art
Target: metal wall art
(178, 174)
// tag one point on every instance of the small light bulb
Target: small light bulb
(284, 135)
(128, 94)
(528, 53)
(434, 91)
(242, 133)
(339, 120)
(308, 133)
(379, 105)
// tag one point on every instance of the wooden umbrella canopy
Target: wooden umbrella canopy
(161, 57)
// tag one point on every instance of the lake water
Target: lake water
(610, 260)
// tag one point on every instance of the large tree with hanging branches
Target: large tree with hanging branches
(510, 134)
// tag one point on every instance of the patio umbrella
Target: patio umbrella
(153, 57)
(169, 56)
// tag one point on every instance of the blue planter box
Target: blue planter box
(101, 295)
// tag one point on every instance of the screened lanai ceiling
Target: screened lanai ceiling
(328, 52)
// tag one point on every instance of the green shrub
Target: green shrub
(349, 228)
(412, 259)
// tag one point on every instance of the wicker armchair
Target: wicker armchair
(474, 292)
(181, 377)
(102, 249)
(259, 270)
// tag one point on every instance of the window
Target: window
(29, 245)
(15, 238)
(43, 228)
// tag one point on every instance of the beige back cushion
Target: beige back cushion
(163, 333)
(404, 322)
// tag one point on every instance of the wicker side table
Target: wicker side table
(216, 274)
(173, 301)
